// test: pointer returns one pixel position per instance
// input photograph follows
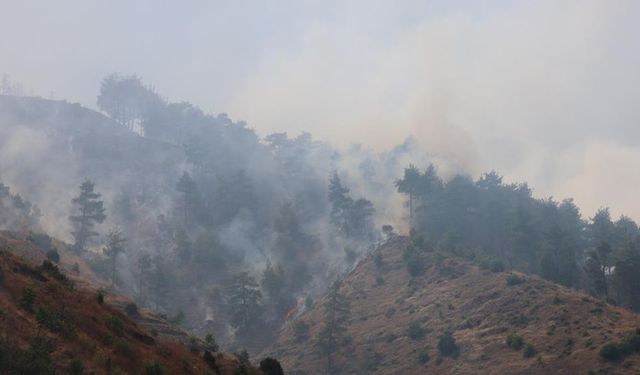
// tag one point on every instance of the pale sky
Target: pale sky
(543, 91)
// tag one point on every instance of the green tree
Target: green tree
(409, 184)
(114, 247)
(273, 282)
(243, 301)
(341, 204)
(89, 210)
(336, 314)
(191, 201)
(127, 100)
(598, 267)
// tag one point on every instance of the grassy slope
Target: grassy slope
(90, 338)
(566, 327)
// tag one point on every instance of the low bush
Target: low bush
(271, 366)
(100, 297)
(53, 256)
(515, 342)
(131, 309)
(27, 299)
(115, 325)
(415, 265)
(154, 368)
(76, 367)
(447, 345)
(529, 351)
(415, 330)
(210, 360)
(611, 352)
(42, 241)
(423, 357)
(514, 279)
(617, 351)
(54, 271)
(212, 345)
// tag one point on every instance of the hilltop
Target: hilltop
(397, 319)
(55, 321)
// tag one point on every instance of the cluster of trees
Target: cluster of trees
(353, 219)
(488, 218)
(237, 201)
(17, 213)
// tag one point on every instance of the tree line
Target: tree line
(490, 219)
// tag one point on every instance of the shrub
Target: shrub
(423, 357)
(415, 265)
(378, 260)
(212, 345)
(115, 325)
(514, 341)
(53, 256)
(177, 319)
(617, 351)
(75, 268)
(76, 367)
(447, 345)
(41, 240)
(415, 330)
(53, 271)
(379, 280)
(131, 309)
(611, 352)
(49, 319)
(243, 356)
(154, 368)
(390, 338)
(27, 299)
(100, 297)
(529, 351)
(514, 279)
(301, 330)
(210, 360)
(271, 366)
(496, 265)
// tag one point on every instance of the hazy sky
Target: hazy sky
(542, 91)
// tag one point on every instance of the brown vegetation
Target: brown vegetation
(562, 330)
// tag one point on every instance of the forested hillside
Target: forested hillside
(187, 211)
(231, 234)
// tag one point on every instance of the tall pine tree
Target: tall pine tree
(89, 210)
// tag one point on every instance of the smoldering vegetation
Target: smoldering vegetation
(204, 207)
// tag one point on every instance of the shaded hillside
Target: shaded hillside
(49, 323)
(397, 320)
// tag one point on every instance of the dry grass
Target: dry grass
(566, 327)
(101, 336)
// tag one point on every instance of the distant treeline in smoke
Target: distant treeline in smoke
(205, 222)
(17, 213)
(501, 225)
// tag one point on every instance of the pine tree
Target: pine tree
(114, 247)
(90, 211)
(336, 314)
(243, 301)
(341, 204)
(191, 201)
(409, 184)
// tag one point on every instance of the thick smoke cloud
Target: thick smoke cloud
(542, 91)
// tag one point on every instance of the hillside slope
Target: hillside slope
(566, 328)
(54, 323)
